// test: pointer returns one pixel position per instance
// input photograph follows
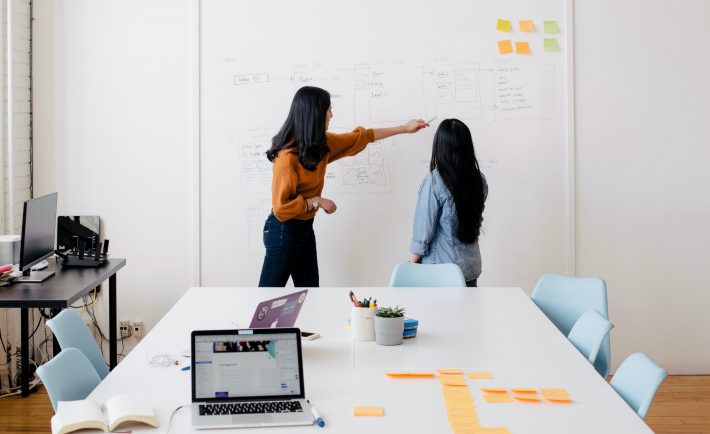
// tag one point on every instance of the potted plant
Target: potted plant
(389, 325)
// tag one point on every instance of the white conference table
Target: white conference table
(497, 330)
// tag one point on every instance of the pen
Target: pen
(431, 120)
(319, 420)
(352, 297)
(186, 368)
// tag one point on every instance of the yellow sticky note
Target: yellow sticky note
(551, 27)
(452, 380)
(527, 26)
(503, 25)
(560, 399)
(410, 374)
(480, 375)
(449, 371)
(492, 431)
(493, 390)
(497, 397)
(522, 48)
(527, 398)
(505, 47)
(523, 390)
(551, 45)
(368, 411)
(553, 392)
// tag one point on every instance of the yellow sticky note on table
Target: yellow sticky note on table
(559, 399)
(551, 27)
(505, 47)
(554, 392)
(497, 397)
(523, 390)
(410, 374)
(449, 371)
(493, 390)
(492, 431)
(527, 26)
(452, 380)
(368, 411)
(503, 25)
(522, 48)
(527, 398)
(551, 45)
(480, 375)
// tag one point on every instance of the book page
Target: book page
(124, 408)
(74, 415)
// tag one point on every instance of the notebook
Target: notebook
(248, 378)
(279, 312)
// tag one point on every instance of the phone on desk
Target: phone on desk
(309, 336)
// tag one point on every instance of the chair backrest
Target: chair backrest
(71, 332)
(637, 381)
(564, 299)
(432, 275)
(589, 332)
(69, 376)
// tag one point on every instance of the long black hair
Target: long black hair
(453, 155)
(304, 128)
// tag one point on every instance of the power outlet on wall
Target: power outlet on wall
(124, 328)
(137, 328)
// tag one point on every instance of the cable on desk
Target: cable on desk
(160, 360)
(170, 421)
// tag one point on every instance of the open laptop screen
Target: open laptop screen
(246, 364)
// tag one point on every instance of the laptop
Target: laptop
(279, 312)
(248, 378)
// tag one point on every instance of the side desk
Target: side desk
(60, 291)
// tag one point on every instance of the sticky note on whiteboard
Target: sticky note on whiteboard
(503, 25)
(551, 45)
(551, 27)
(505, 47)
(522, 48)
(526, 26)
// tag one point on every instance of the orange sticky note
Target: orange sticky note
(411, 374)
(503, 25)
(480, 375)
(523, 390)
(493, 390)
(554, 392)
(492, 431)
(505, 47)
(527, 398)
(449, 371)
(368, 411)
(527, 26)
(560, 399)
(522, 48)
(452, 380)
(497, 397)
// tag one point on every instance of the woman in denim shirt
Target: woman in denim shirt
(449, 213)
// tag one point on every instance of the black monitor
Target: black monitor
(39, 220)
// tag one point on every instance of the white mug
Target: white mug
(362, 323)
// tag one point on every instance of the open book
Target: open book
(76, 415)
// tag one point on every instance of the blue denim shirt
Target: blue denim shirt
(435, 227)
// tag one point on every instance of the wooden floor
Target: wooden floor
(682, 405)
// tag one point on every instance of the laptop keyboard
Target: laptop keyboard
(250, 408)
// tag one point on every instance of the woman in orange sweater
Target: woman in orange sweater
(300, 152)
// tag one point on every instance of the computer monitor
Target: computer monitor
(39, 220)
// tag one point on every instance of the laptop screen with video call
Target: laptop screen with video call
(246, 364)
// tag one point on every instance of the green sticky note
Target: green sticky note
(551, 27)
(551, 45)
(503, 25)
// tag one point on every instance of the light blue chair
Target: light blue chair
(69, 376)
(637, 381)
(71, 332)
(564, 299)
(407, 274)
(589, 332)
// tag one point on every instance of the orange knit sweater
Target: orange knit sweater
(292, 183)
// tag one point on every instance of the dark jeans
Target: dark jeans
(290, 251)
(472, 283)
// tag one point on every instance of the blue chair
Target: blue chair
(407, 274)
(637, 381)
(589, 332)
(564, 299)
(69, 376)
(71, 332)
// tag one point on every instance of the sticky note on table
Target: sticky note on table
(368, 411)
(559, 399)
(497, 397)
(503, 25)
(522, 48)
(493, 390)
(551, 27)
(480, 375)
(449, 371)
(527, 398)
(492, 431)
(551, 45)
(452, 380)
(505, 47)
(553, 392)
(523, 390)
(527, 26)
(411, 374)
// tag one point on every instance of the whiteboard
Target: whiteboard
(384, 63)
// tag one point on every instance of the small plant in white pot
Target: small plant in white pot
(389, 325)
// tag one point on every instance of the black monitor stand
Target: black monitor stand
(29, 276)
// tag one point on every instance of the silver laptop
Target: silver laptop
(248, 378)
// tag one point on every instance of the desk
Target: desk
(59, 292)
(497, 330)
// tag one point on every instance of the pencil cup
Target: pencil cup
(362, 323)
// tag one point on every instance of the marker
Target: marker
(319, 420)
(431, 120)
(186, 368)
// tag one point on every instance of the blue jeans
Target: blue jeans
(290, 251)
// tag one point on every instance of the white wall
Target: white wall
(113, 103)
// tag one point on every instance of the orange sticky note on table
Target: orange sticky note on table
(526, 26)
(497, 397)
(411, 374)
(527, 398)
(449, 371)
(553, 392)
(480, 375)
(452, 380)
(493, 390)
(368, 411)
(522, 48)
(523, 390)
(505, 47)
(559, 399)
(503, 25)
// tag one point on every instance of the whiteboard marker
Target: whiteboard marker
(431, 120)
